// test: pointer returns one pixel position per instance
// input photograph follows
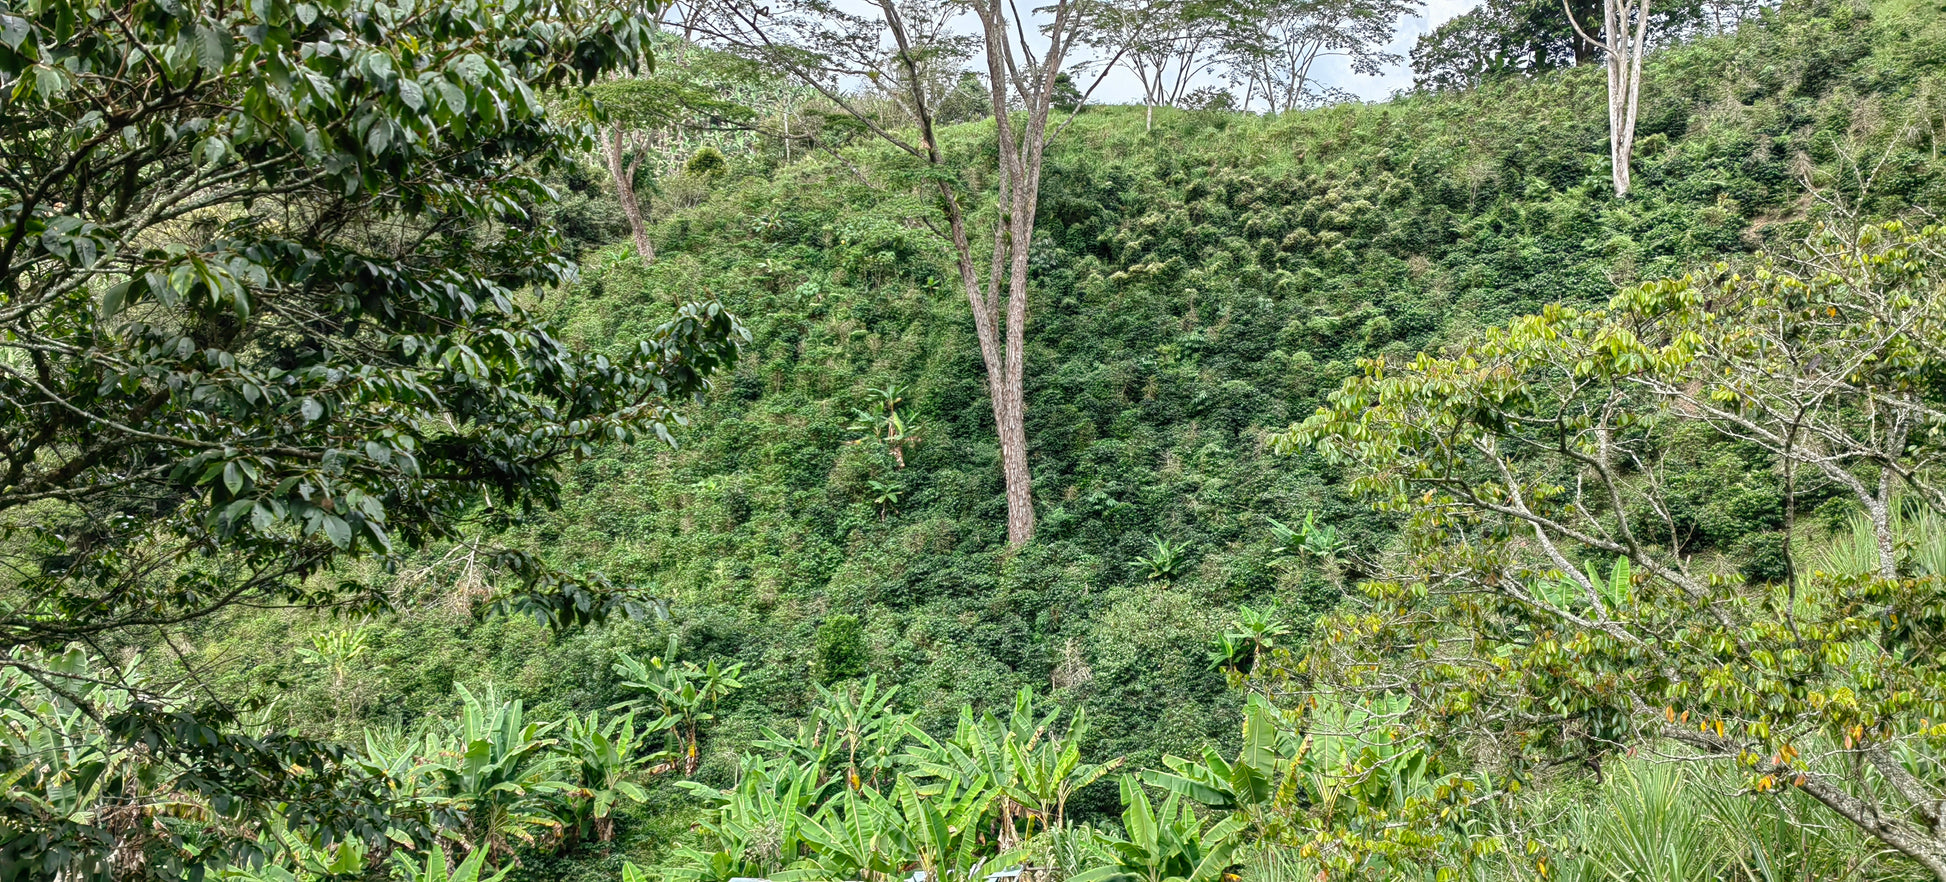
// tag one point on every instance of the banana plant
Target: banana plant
(894, 430)
(940, 827)
(1048, 771)
(680, 689)
(434, 869)
(1614, 590)
(854, 836)
(60, 770)
(494, 770)
(1346, 767)
(1166, 845)
(1252, 635)
(602, 758)
(341, 653)
(297, 857)
(1033, 762)
(852, 732)
(754, 830)
(403, 766)
(1309, 539)
(1268, 761)
(1356, 767)
(1166, 561)
(56, 765)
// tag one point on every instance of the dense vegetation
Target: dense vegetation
(833, 523)
(1211, 282)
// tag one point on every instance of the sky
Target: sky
(1121, 87)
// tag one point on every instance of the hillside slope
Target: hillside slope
(1196, 287)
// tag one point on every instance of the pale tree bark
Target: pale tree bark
(622, 169)
(817, 42)
(1624, 39)
(1013, 72)
(1165, 42)
(1919, 834)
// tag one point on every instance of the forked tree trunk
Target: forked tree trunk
(1021, 162)
(1624, 39)
(1003, 347)
(623, 171)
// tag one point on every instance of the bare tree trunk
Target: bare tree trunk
(1021, 163)
(623, 172)
(1019, 75)
(1625, 31)
(1627, 65)
(1008, 407)
(1013, 422)
(1003, 358)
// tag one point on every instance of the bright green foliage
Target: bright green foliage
(1654, 820)
(885, 425)
(696, 102)
(492, 769)
(686, 693)
(1204, 284)
(1505, 38)
(855, 836)
(435, 869)
(1170, 843)
(492, 780)
(836, 803)
(852, 735)
(59, 765)
(944, 826)
(841, 652)
(1535, 452)
(861, 833)
(299, 861)
(1328, 783)
(767, 523)
(1248, 640)
(268, 270)
(707, 162)
(1166, 561)
(1649, 828)
(1180, 328)
(340, 653)
(753, 830)
(1032, 760)
(1310, 538)
(1269, 757)
(235, 360)
(69, 776)
(604, 759)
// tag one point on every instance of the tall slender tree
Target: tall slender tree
(895, 48)
(1169, 43)
(1624, 40)
(1273, 46)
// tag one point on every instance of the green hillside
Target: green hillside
(1197, 288)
